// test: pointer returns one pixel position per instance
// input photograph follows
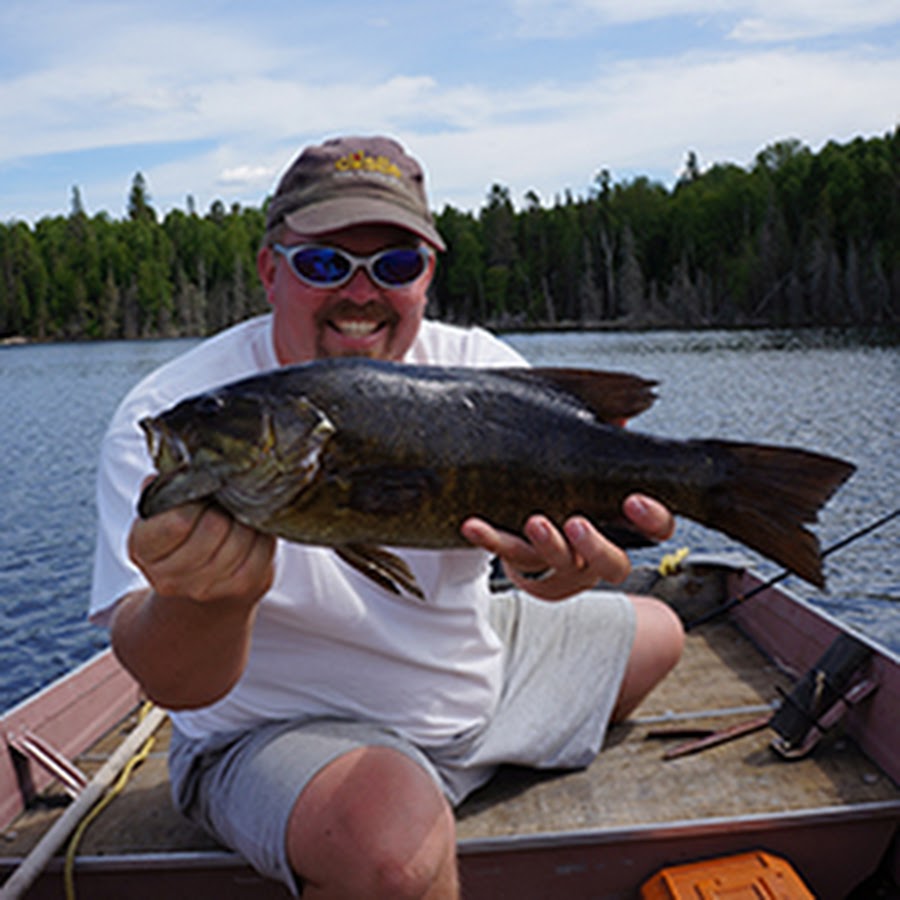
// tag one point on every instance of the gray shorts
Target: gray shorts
(241, 787)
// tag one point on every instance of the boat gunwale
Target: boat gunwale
(120, 862)
(826, 815)
(742, 580)
(873, 813)
(70, 713)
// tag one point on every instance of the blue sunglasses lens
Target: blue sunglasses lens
(321, 265)
(398, 266)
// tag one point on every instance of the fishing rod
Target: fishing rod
(734, 601)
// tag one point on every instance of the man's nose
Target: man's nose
(360, 287)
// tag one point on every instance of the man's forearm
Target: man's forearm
(183, 653)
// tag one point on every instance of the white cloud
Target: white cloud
(553, 18)
(539, 135)
(230, 105)
(244, 175)
(644, 118)
(773, 20)
(750, 20)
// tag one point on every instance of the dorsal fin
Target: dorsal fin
(612, 396)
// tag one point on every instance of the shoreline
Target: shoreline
(880, 334)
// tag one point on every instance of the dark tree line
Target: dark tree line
(75, 277)
(799, 238)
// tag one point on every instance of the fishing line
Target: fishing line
(734, 601)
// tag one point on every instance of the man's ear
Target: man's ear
(265, 266)
(432, 266)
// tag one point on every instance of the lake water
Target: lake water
(822, 390)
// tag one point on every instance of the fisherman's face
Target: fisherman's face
(359, 318)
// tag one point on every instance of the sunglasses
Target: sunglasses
(331, 267)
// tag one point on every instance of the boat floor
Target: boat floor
(721, 680)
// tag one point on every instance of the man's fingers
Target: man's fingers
(511, 548)
(200, 552)
(551, 546)
(649, 516)
(570, 559)
(600, 558)
(153, 539)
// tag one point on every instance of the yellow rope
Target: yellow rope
(670, 564)
(108, 797)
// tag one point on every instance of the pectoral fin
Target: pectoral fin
(384, 568)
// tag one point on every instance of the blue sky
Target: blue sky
(212, 99)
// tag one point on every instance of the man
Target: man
(323, 727)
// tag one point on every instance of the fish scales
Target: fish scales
(354, 454)
(414, 454)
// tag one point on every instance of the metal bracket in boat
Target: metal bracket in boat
(820, 699)
(33, 747)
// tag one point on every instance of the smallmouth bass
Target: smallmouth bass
(355, 453)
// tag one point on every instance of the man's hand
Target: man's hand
(200, 553)
(553, 564)
(186, 638)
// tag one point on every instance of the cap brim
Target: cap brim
(344, 212)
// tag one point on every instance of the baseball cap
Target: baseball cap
(353, 181)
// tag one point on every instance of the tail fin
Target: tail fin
(772, 492)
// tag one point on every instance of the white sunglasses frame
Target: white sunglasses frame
(367, 263)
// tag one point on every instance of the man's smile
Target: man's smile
(355, 321)
(355, 328)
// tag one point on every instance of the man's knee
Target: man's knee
(658, 645)
(428, 874)
(666, 635)
(373, 823)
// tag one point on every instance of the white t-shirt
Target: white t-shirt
(327, 641)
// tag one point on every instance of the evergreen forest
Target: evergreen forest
(799, 238)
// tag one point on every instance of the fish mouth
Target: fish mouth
(167, 449)
(178, 480)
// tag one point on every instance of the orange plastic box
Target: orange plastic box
(747, 876)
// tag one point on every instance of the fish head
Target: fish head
(241, 448)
